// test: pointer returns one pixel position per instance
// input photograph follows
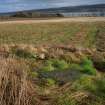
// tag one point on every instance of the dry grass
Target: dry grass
(75, 33)
(15, 86)
(15, 89)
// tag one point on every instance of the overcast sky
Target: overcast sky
(16, 5)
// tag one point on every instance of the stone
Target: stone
(42, 56)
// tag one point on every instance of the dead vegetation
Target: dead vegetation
(73, 71)
(100, 40)
(15, 88)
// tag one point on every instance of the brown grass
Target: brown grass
(15, 89)
(76, 33)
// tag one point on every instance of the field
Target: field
(51, 33)
(52, 63)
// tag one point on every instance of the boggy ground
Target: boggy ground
(52, 63)
(52, 75)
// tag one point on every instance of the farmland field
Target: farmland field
(48, 62)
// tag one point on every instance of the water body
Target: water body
(84, 14)
(18, 5)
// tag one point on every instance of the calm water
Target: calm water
(76, 14)
(16, 5)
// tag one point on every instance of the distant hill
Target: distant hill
(84, 10)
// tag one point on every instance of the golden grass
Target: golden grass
(15, 89)
(15, 86)
(50, 33)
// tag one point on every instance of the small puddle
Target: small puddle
(61, 76)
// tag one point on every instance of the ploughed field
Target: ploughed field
(52, 63)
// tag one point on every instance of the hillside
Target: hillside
(85, 10)
(82, 8)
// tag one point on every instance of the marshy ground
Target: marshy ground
(52, 63)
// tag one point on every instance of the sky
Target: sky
(18, 5)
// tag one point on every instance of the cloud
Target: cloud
(8, 1)
(16, 5)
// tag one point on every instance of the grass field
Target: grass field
(67, 73)
(50, 33)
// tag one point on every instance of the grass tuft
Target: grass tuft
(55, 64)
(88, 67)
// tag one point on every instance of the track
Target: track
(76, 19)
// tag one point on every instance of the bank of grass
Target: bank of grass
(16, 88)
(50, 33)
